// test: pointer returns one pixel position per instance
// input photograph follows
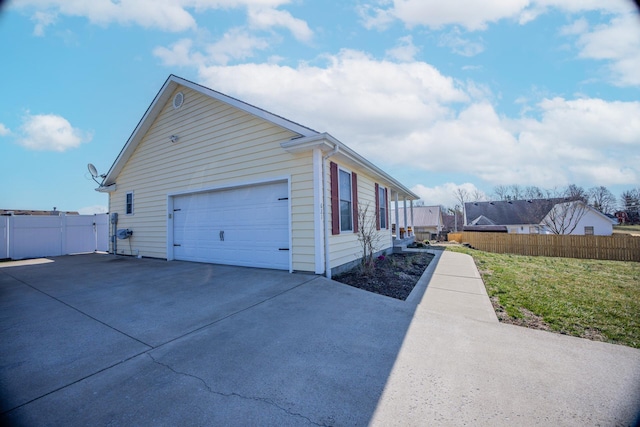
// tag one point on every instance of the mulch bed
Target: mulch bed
(394, 275)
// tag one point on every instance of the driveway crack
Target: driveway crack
(219, 393)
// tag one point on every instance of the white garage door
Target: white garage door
(247, 226)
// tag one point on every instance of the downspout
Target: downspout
(325, 215)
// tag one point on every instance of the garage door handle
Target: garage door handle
(283, 249)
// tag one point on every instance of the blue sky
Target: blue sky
(442, 95)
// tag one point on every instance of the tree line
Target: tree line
(626, 206)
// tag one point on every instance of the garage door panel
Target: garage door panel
(254, 220)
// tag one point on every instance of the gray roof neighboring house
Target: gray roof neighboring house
(512, 212)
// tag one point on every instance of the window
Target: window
(129, 204)
(533, 229)
(382, 201)
(346, 206)
(588, 230)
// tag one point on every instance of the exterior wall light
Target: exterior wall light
(174, 138)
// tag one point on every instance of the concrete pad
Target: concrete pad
(457, 264)
(155, 301)
(471, 306)
(456, 288)
(47, 345)
(457, 371)
(314, 355)
(288, 350)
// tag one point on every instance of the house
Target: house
(208, 178)
(537, 216)
(426, 221)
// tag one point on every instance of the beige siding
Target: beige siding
(345, 246)
(218, 146)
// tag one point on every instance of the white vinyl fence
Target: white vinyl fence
(33, 236)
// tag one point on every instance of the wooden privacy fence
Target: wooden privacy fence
(617, 247)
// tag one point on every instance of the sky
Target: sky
(439, 94)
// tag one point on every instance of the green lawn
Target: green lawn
(626, 229)
(585, 298)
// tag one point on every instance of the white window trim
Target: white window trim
(341, 169)
(132, 203)
(382, 191)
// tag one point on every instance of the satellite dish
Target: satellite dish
(92, 170)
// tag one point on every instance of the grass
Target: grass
(584, 298)
(626, 229)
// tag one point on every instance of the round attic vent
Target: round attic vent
(178, 100)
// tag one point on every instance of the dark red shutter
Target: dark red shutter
(377, 191)
(354, 200)
(335, 202)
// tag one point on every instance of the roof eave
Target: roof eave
(325, 142)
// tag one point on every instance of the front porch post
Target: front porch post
(397, 219)
(406, 223)
(413, 228)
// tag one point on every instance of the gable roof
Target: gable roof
(512, 212)
(161, 99)
(306, 138)
(423, 216)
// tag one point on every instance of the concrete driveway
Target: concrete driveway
(103, 340)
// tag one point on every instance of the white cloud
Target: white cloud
(165, 15)
(42, 19)
(353, 95)
(471, 14)
(408, 115)
(404, 51)
(475, 15)
(444, 194)
(235, 44)
(50, 132)
(459, 45)
(4, 131)
(617, 42)
(266, 18)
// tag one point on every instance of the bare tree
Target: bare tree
(516, 192)
(602, 199)
(368, 236)
(574, 192)
(463, 196)
(477, 196)
(533, 192)
(564, 217)
(630, 201)
(501, 192)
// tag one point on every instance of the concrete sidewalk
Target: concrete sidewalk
(459, 366)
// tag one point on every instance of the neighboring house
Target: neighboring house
(537, 216)
(425, 220)
(206, 177)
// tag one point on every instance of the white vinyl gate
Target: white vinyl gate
(32, 236)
